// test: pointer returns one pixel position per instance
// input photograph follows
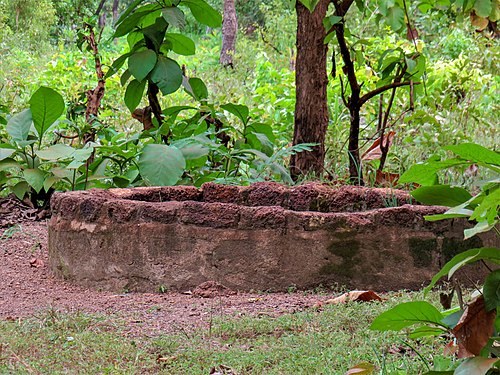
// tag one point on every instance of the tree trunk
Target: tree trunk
(311, 111)
(229, 31)
(115, 10)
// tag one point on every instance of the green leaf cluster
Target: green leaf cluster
(483, 209)
(147, 28)
(27, 166)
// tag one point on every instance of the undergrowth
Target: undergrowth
(319, 340)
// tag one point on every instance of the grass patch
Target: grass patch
(319, 341)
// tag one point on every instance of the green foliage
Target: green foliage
(146, 29)
(484, 209)
(407, 314)
(30, 20)
(302, 342)
(161, 165)
(28, 168)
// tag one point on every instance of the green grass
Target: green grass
(316, 341)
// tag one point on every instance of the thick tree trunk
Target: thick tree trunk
(311, 111)
(229, 32)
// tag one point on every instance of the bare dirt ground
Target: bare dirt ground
(27, 288)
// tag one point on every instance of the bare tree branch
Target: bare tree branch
(384, 88)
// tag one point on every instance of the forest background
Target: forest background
(455, 99)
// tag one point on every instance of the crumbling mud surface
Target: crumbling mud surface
(261, 237)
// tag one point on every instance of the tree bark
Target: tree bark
(311, 111)
(116, 3)
(229, 32)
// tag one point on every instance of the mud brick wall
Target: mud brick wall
(260, 237)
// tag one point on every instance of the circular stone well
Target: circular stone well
(262, 237)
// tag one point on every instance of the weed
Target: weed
(162, 289)
(11, 231)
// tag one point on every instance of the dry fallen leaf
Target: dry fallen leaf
(253, 300)
(36, 262)
(355, 295)
(386, 178)
(363, 368)
(480, 23)
(474, 328)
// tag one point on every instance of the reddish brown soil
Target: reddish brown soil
(28, 288)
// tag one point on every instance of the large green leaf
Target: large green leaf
(167, 74)
(8, 164)
(161, 165)
(204, 13)
(117, 64)
(20, 189)
(395, 18)
(180, 44)
(475, 153)
(141, 63)
(155, 32)
(476, 366)
(49, 182)
(35, 178)
(488, 208)
(56, 152)
(46, 105)
(483, 253)
(425, 174)
(483, 8)
(441, 195)
(491, 290)
(174, 16)
(454, 212)
(240, 111)
(6, 151)
(196, 88)
(407, 314)
(194, 151)
(80, 157)
(480, 227)
(19, 125)
(129, 10)
(134, 93)
(129, 23)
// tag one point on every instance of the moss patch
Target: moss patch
(421, 251)
(454, 246)
(347, 250)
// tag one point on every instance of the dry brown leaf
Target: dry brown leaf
(374, 152)
(386, 178)
(474, 328)
(355, 295)
(480, 23)
(363, 368)
(471, 170)
(36, 262)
